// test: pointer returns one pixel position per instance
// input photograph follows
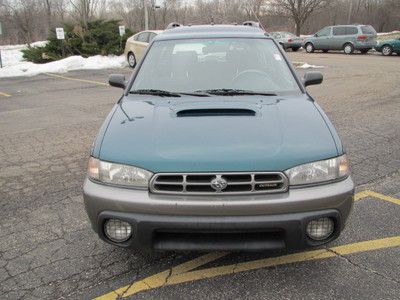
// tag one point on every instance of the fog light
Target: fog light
(117, 230)
(320, 229)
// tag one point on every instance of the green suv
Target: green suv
(342, 37)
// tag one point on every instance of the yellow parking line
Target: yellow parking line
(77, 79)
(170, 277)
(159, 279)
(4, 94)
(372, 194)
(184, 272)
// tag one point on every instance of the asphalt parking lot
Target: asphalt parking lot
(48, 250)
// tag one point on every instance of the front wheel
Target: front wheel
(310, 48)
(387, 50)
(131, 60)
(348, 48)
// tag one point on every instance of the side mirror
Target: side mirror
(311, 78)
(117, 80)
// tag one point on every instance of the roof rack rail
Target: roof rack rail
(173, 25)
(251, 23)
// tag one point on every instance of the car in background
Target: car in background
(342, 37)
(388, 47)
(287, 40)
(137, 44)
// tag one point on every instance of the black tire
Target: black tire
(131, 60)
(387, 50)
(325, 51)
(364, 51)
(348, 48)
(309, 48)
(295, 49)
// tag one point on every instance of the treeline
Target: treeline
(25, 21)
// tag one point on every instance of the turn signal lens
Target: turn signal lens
(93, 168)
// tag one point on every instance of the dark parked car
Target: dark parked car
(342, 37)
(215, 144)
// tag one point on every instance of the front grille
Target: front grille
(218, 183)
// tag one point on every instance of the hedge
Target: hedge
(100, 37)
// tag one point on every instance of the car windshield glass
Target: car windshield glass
(187, 66)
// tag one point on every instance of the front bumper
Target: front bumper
(250, 222)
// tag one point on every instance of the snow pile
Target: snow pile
(11, 54)
(23, 46)
(307, 66)
(64, 65)
(389, 33)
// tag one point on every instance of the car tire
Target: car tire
(295, 49)
(348, 48)
(387, 50)
(131, 60)
(310, 48)
(364, 51)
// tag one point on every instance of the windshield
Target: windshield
(193, 65)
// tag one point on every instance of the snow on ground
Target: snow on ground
(389, 33)
(14, 65)
(64, 65)
(11, 54)
(303, 65)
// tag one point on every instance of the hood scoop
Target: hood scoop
(211, 112)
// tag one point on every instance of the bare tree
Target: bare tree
(300, 10)
(84, 10)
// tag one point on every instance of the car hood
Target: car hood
(243, 133)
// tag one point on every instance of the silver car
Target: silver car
(287, 40)
(342, 37)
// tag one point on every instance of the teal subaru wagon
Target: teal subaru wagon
(388, 47)
(215, 144)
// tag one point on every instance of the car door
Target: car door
(142, 41)
(396, 46)
(322, 38)
(338, 37)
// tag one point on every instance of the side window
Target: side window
(339, 30)
(152, 36)
(324, 32)
(350, 30)
(143, 37)
(368, 29)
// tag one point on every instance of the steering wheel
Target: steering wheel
(253, 75)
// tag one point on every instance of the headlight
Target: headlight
(319, 171)
(118, 174)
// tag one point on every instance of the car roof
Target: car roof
(154, 31)
(207, 31)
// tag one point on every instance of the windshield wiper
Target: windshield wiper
(163, 93)
(234, 92)
(160, 93)
(196, 94)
